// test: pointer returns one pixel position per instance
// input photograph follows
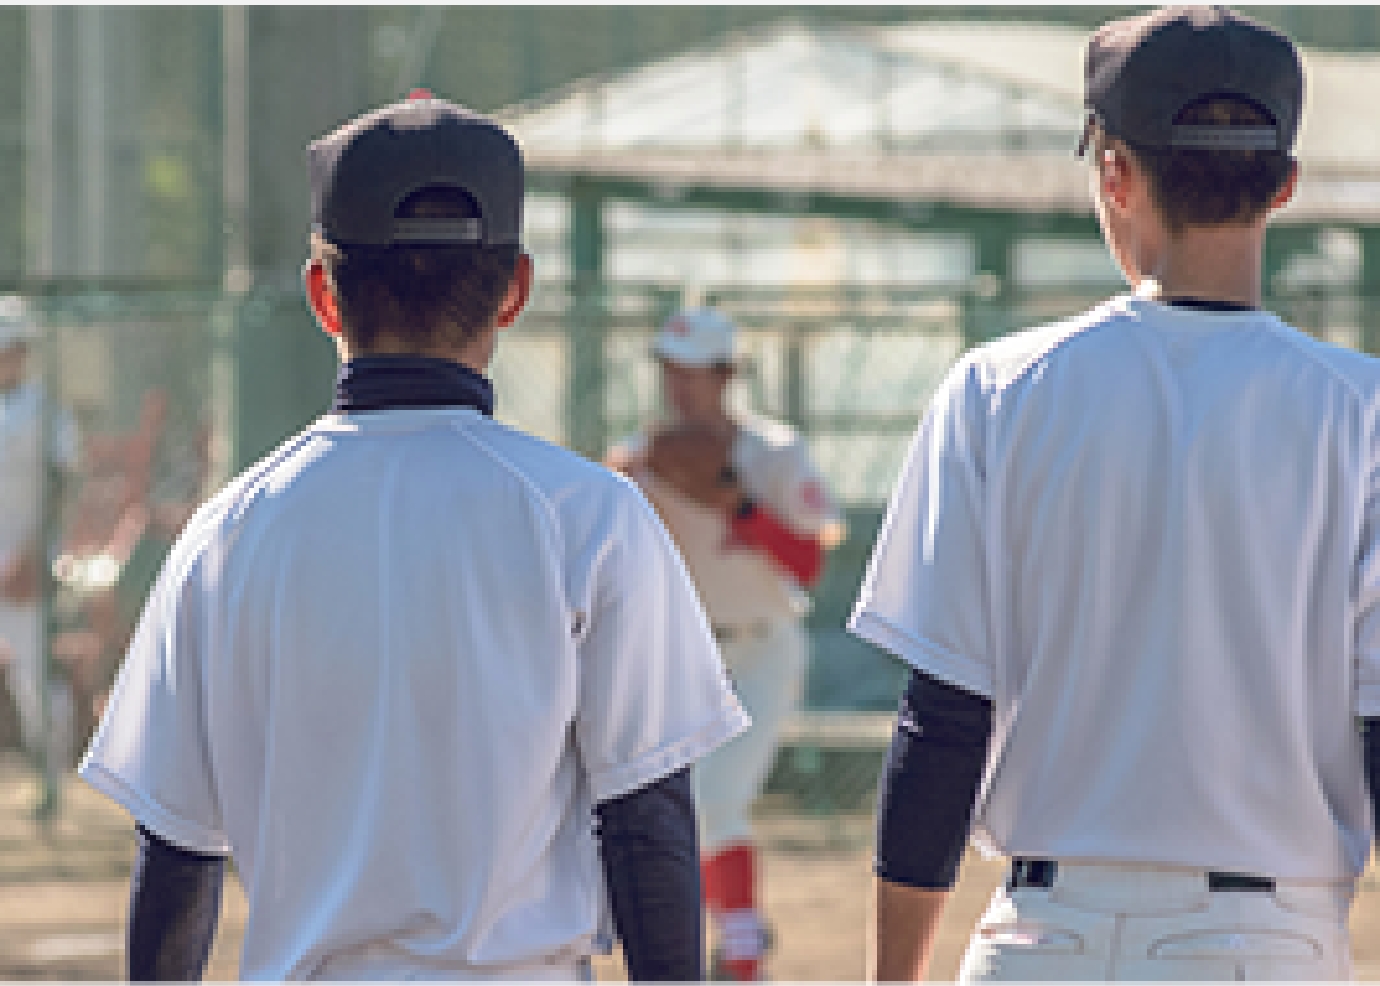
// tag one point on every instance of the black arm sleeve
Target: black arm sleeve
(929, 783)
(174, 904)
(1370, 748)
(650, 851)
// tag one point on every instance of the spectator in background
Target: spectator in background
(753, 519)
(22, 502)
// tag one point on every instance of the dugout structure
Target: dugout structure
(867, 202)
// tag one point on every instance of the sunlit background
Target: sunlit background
(867, 190)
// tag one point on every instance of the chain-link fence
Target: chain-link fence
(110, 435)
(851, 368)
(144, 377)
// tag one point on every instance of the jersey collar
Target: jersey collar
(381, 383)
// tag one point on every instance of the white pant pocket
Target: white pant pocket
(1242, 943)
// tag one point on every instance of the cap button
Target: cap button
(418, 94)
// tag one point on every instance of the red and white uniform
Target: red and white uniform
(751, 572)
(21, 522)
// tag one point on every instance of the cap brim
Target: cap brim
(686, 353)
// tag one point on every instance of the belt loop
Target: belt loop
(752, 630)
(1032, 874)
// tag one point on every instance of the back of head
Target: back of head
(1207, 100)
(416, 214)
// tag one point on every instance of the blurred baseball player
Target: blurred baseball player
(433, 683)
(22, 486)
(752, 518)
(1134, 560)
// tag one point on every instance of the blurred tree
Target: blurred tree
(180, 116)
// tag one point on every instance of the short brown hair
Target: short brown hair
(428, 295)
(1194, 187)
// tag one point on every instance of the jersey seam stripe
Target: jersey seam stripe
(1275, 327)
(237, 495)
(552, 526)
(227, 507)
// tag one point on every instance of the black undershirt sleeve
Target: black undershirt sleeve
(174, 905)
(930, 782)
(1370, 748)
(650, 852)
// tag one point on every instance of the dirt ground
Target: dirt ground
(63, 887)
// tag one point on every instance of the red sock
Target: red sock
(730, 884)
(730, 878)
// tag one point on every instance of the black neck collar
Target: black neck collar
(1208, 305)
(380, 383)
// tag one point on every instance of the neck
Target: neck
(1211, 263)
(719, 420)
(475, 356)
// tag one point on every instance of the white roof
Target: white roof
(1338, 96)
(796, 86)
(977, 114)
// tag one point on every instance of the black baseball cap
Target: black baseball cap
(362, 172)
(1142, 71)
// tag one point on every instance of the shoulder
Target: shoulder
(1357, 371)
(595, 514)
(224, 511)
(1010, 358)
(546, 465)
(766, 433)
(573, 487)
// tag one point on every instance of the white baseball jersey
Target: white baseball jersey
(21, 436)
(392, 668)
(738, 584)
(1152, 536)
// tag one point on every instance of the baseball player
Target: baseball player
(753, 519)
(22, 486)
(434, 684)
(1134, 561)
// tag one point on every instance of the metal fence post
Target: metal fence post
(1369, 289)
(50, 511)
(587, 412)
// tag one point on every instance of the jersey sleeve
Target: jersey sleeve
(925, 595)
(796, 492)
(150, 754)
(653, 694)
(1368, 605)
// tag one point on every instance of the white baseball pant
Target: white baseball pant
(21, 628)
(767, 666)
(1104, 921)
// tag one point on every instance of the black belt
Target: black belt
(743, 631)
(1039, 874)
